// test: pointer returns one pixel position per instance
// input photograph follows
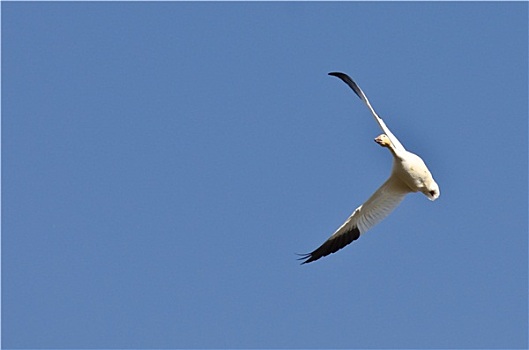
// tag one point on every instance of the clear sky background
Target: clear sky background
(162, 163)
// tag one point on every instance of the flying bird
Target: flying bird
(408, 174)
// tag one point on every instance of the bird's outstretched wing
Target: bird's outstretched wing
(376, 208)
(346, 79)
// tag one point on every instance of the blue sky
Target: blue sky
(163, 162)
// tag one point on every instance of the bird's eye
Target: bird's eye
(432, 193)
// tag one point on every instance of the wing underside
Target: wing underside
(346, 79)
(374, 210)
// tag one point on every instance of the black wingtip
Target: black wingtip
(332, 245)
(338, 74)
(347, 79)
(307, 257)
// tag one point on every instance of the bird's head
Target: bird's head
(383, 140)
(432, 191)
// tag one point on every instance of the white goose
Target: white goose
(409, 174)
